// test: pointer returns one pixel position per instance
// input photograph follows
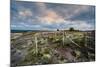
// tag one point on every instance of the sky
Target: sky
(51, 16)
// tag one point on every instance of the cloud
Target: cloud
(80, 25)
(87, 14)
(25, 13)
(35, 15)
(51, 17)
(68, 11)
(48, 16)
(41, 6)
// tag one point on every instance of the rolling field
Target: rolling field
(57, 47)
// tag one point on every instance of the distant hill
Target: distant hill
(17, 31)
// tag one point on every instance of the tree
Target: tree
(57, 29)
(71, 29)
